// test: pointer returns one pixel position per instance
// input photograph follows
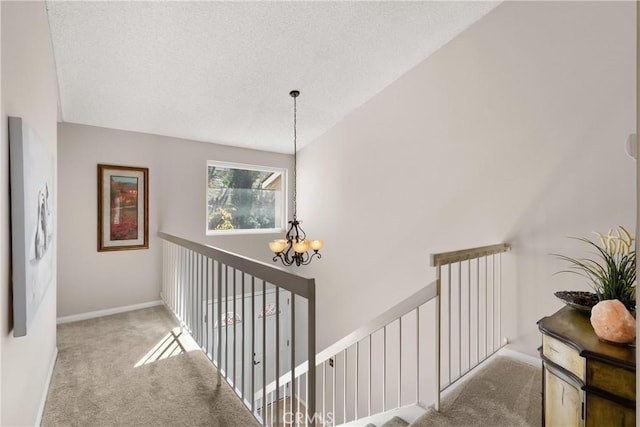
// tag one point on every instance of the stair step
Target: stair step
(395, 422)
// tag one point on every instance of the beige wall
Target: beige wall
(89, 280)
(29, 90)
(637, 170)
(514, 131)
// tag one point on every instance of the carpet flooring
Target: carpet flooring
(136, 369)
(505, 393)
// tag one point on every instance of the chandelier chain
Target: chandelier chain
(295, 155)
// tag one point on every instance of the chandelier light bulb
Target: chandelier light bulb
(277, 246)
(316, 245)
(300, 247)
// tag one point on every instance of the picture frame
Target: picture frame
(123, 208)
(33, 200)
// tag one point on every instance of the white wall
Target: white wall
(91, 280)
(29, 90)
(514, 131)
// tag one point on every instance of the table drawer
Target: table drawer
(603, 412)
(615, 380)
(564, 356)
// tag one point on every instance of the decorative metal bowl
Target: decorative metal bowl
(580, 300)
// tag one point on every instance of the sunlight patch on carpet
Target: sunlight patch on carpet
(174, 343)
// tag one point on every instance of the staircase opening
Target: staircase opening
(256, 323)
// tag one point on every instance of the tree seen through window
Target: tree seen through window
(243, 199)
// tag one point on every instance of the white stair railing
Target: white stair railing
(235, 308)
(397, 358)
(469, 310)
(354, 374)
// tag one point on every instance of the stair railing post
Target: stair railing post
(219, 307)
(438, 338)
(311, 353)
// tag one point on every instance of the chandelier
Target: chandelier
(295, 247)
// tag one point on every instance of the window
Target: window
(243, 198)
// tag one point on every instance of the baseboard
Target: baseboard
(107, 312)
(522, 357)
(45, 392)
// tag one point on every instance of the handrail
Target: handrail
(270, 273)
(445, 258)
(414, 301)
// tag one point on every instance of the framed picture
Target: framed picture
(32, 178)
(123, 208)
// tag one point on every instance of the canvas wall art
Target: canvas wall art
(32, 222)
(123, 212)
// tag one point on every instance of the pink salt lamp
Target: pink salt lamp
(612, 322)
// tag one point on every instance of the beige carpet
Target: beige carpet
(134, 369)
(505, 393)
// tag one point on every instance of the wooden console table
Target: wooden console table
(585, 381)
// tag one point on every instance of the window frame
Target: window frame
(284, 208)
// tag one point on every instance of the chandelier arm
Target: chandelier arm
(288, 260)
(281, 258)
(289, 236)
(314, 254)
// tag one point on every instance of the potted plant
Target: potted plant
(612, 276)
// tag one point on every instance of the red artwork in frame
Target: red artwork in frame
(123, 212)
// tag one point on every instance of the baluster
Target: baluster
(355, 404)
(253, 343)
(459, 319)
(469, 313)
(293, 350)
(384, 368)
(500, 337)
(277, 355)
(174, 279)
(324, 389)
(244, 321)
(417, 355)
(344, 385)
(264, 344)
(235, 334)
(478, 313)
(400, 361)
(298, 401)
(369, 380)
(449, 314)
(200, 298)
(192, 294)
(226, 322)
(219, 308)
(333, 384)
(438, 336)
(486, 307)
(207, 315)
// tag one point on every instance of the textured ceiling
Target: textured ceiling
(221, 71)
